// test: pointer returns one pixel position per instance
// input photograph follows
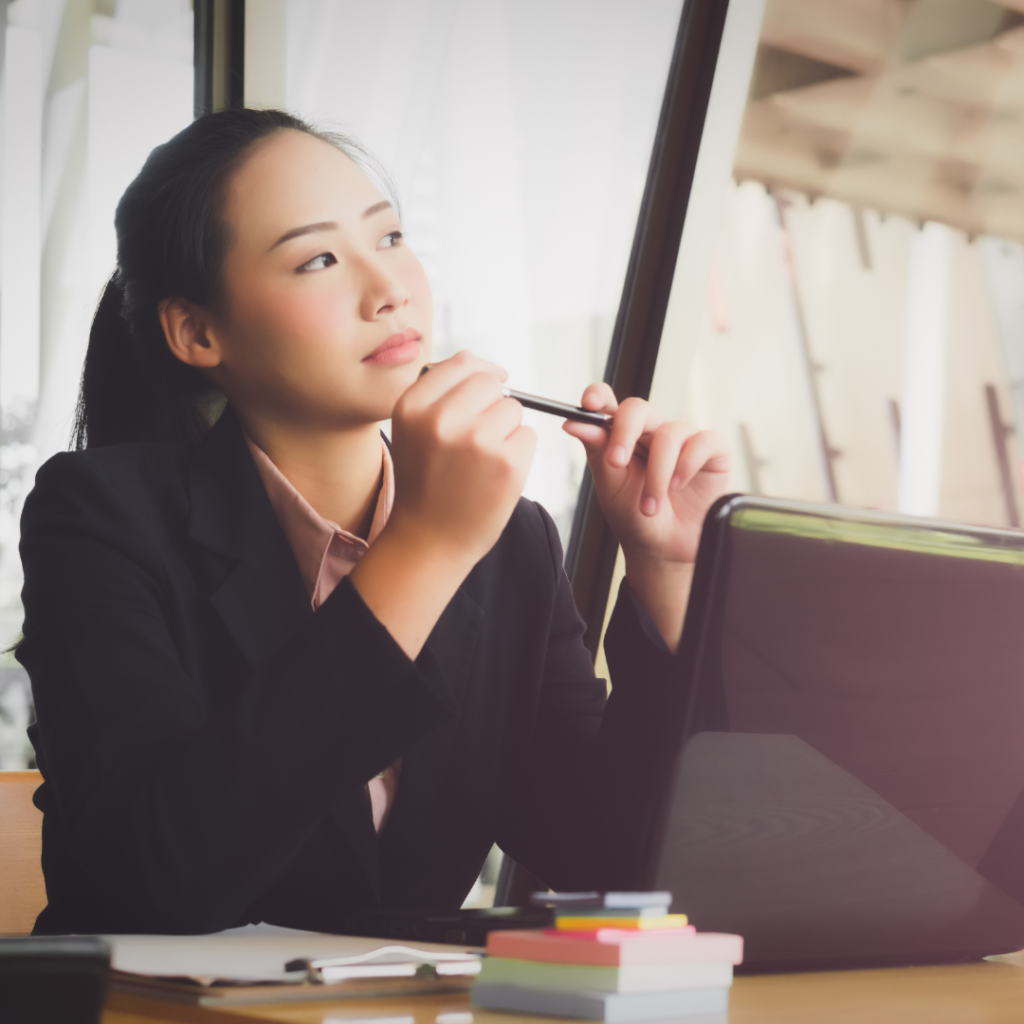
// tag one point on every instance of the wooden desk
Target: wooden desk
(983, 993)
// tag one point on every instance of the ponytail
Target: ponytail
(126, 396)
(171, 242)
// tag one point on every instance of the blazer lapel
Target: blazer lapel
(262, 599)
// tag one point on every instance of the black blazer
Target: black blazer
(205, 738)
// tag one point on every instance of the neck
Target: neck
(338, 472)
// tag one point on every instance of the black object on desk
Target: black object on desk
(849, 783)
(44, 979)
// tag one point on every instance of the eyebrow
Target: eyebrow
(328, 225)
(376, 208)
(306, 229)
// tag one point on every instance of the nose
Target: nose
(382, 291)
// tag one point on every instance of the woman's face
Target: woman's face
(326, 314)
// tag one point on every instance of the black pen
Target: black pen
(571, 412)
(568, 412)
(548, 405)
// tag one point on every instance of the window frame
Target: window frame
(636, 338)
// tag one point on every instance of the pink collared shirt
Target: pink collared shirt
(326, 554)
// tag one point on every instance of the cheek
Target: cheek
(316, 317)
(295, 321)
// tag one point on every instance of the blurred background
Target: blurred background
(848, 302)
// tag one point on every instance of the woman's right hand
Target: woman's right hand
(461, 456)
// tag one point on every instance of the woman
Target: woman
(281, 673)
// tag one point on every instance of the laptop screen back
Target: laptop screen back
(851, 788)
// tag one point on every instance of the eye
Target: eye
(390, 240)
(321, 262)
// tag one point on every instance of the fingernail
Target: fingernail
(618, 456)
(649, 505)
(675, 483)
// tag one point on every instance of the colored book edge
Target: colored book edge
(573, 911)
(625, 948)
(604, 978)
(612, 1007)
(605, 900)
(571, 922)
(623, 934)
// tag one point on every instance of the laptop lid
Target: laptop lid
(849, 787)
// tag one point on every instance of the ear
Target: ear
(189, 333)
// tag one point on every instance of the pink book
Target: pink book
(617, 934)
(614, 948)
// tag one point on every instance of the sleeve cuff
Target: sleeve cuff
(646, 622)
(637, 655)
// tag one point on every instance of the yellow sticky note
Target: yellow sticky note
(631, 924)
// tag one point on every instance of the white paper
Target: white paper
(254, 953)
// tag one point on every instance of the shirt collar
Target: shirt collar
(309, 534)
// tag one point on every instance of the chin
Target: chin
(377, 412)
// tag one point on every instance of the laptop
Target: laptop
(848, 785)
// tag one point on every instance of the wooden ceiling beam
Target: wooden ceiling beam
(857, 36)
(921, 195)
(941, 138)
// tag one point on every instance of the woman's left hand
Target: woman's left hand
(655, 508)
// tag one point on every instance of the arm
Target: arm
(461, 457)
(176, 814)
(574, 812)
(178, 805)
(655, 507)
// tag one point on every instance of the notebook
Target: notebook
(266, 963)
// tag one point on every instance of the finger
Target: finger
(523, 444)
(453, 414)
(702, 451)
(455, 410)
(450, 372)
(633, 418)
(594, 439)
(599, 398)
(497, 423)
(666, 446)
(466, 358)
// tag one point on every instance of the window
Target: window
(853, 326)
(88, 89)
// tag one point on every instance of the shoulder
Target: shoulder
(112, 486)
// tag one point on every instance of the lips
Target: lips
(399, 348)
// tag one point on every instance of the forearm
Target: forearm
(202, 812)
(407, 582)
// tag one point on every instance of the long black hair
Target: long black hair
(171, 241)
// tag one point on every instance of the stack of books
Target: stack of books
(615, 957)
